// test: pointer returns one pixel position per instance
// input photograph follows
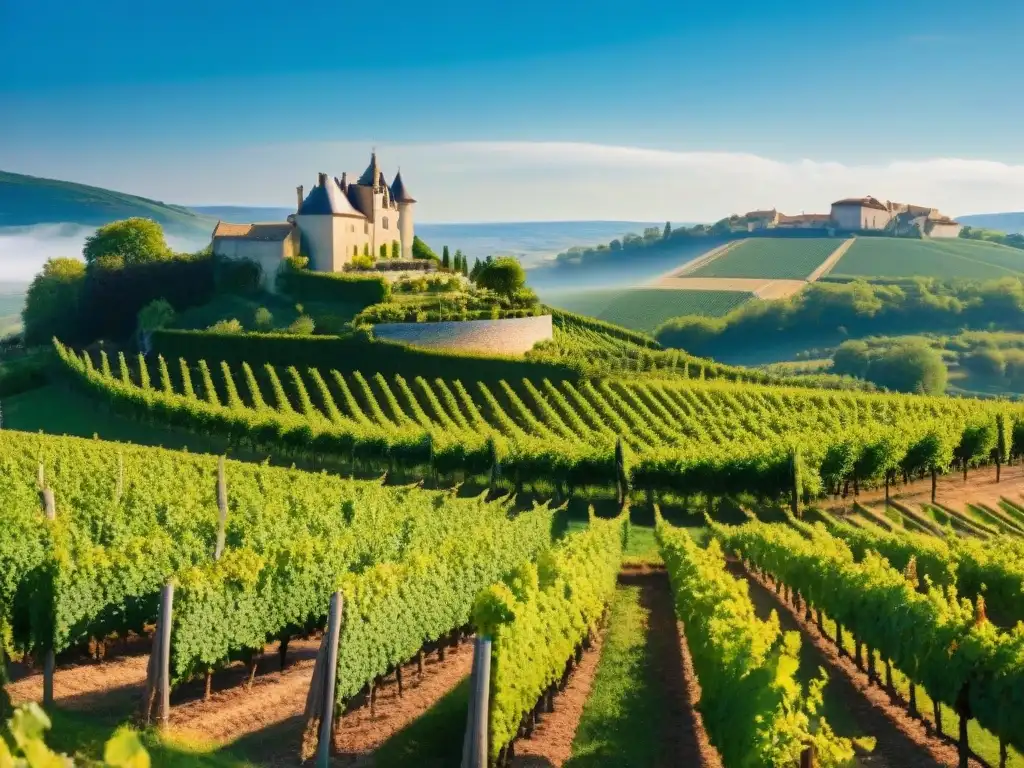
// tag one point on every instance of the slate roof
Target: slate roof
(863, 202)
(398, 191)
(371, 174)
(268, 232)
(327, 199)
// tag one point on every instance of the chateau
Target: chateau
(337, 221)
(857, 213)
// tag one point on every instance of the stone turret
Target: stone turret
(405, 202)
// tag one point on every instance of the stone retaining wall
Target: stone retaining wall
(514, 336)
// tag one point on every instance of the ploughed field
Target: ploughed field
(891, 257)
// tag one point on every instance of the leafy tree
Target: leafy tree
(504, 275)
(909, 368)
(135, 240)
(445, 259)
(263, 319)
(474, 273)
(615, 245)
(851, 359)
(396, 249)
(668, 231)
(52, 303)
(420, 250)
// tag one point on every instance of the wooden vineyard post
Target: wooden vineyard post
(319, 712)
(807, 758)
(475, 744)
(621, 481)
(50, 661)
(222, 508)
(163, 669)
(323, 754)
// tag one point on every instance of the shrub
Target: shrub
(362, 262)
(226, 326)
(303, 325)
(263, 319)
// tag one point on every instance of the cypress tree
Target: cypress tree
(445, 260)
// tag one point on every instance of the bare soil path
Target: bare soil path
(951, 490)
(857, 707)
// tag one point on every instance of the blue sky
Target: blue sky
(229, 102)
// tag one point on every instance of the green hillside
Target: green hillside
(29, 200)
(777, 258)
(890, 257)
(644, 309)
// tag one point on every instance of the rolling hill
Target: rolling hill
(890, 258)
(27, 201)
(1009, 222)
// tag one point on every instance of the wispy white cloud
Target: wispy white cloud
(522, 181)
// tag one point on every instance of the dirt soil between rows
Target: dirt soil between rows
(902, 741)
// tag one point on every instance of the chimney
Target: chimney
(322, 179)
(344, 181)
(298, 193)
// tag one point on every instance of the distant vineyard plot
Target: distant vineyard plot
(771, 258)
(891, 257)
(644, 309)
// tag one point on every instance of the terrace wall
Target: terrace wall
(512, 336)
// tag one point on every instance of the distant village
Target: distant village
(855, 214)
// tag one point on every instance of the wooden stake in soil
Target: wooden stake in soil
(162, 653)
(475, 746)
(319, 712)
(323, 754)
(222, 508)
(50, 662)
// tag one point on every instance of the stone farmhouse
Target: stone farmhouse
(857, 213)
(337, 221)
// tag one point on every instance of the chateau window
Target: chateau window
(355, 250)
(366, 228)
(385, 222)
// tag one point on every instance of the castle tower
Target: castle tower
(405, 203)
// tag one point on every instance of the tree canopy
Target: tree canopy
(504, 275)
(135, 241)
(909, 368)
(52, 302)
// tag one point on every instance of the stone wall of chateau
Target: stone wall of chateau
(514, 336)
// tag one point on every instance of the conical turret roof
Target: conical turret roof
(371, 174)
(326, 199)
(398, 191)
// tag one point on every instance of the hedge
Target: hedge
(352, 353)
(304, 285)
